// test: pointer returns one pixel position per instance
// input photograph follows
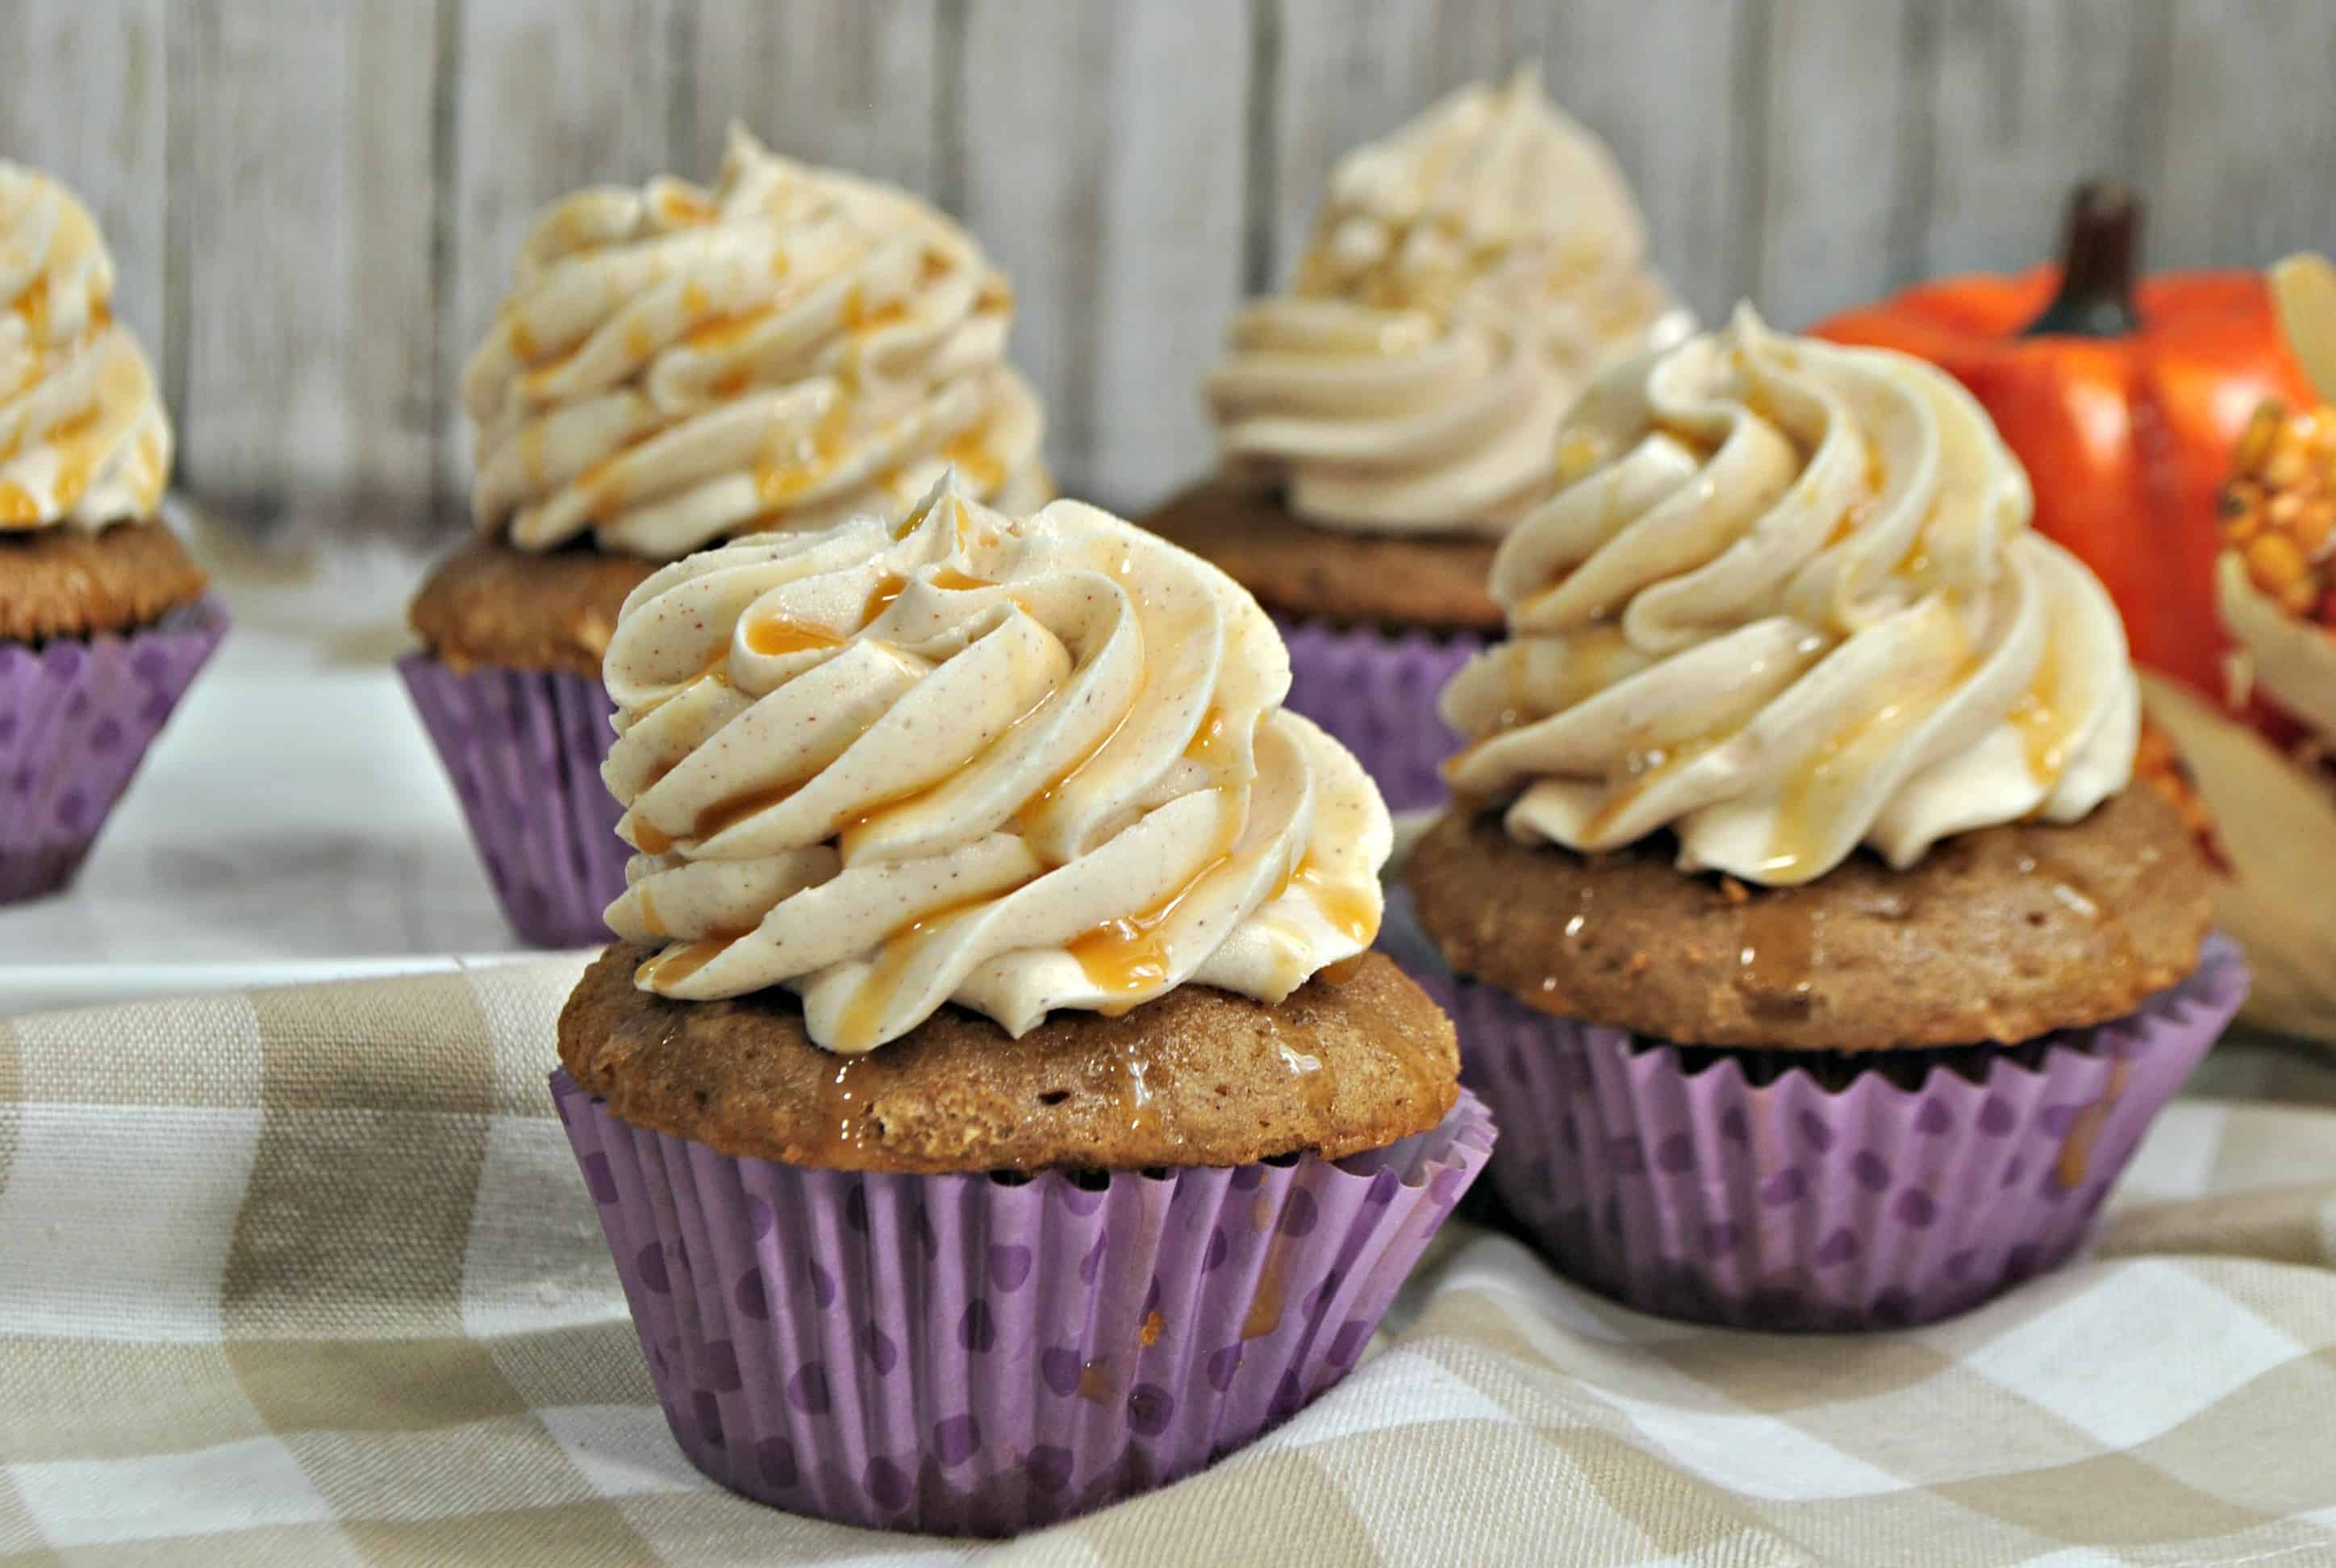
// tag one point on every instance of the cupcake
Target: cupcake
(103, 623)
(1808, 932)
(676, 367)
(1384, 422)
(993, 1103)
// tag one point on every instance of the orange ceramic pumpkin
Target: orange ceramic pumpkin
(2124, 396)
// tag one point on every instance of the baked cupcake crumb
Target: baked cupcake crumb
(2003, 934)
(1196, 1077)
(70, 582)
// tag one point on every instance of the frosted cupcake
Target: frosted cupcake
(675, 366)
(1812, 941)
(994, 1105)
(102, 619)
(1386, 422)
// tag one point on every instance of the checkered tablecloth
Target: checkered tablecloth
(307, 1277)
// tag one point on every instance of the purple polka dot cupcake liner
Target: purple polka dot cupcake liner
(1375, 692)
(523, 748)
(1787, 1206)
(983, 1355)
(76, 717)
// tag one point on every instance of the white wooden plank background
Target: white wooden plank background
(314, 207)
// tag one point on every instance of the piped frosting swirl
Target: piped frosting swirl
(1468, 275)
(1785, 600)
(85, 442)
(794, 347)
(1016, 764)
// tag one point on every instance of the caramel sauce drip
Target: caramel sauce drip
(1345, 969)
(880, 598)
(1776, 963)
(772, 636)
(1133, 1093)
(2077, 1150)
(1315, 1087)
(2044, 729)
(864, 1015)
(1346, 908)
(649, 838)
(724, 331)
(1264, 1314)
(1128, 955)
(973, 459)
(676, 965)
(17, 507)
(1649, 768)
(1095, 1384)
(847, 1123)
(1149, 1335)
(730, 810)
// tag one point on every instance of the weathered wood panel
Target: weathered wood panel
(2022, 102)
(1032, 121)
(1170, 244)
(854, 84)
(302, 201)
(2248, 138)
(315, 207)
(548, 95)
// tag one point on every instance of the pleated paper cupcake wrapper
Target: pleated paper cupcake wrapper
(967, 1354)
(1787, 1206)
(76, 717)
(1375, 692)
(523, 748)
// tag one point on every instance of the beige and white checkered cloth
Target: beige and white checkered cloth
(308, 1277)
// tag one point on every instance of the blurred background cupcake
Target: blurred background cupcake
(675, 366)
(1814, 939)
(994, 1107)
(1385, 422)
(102, 619)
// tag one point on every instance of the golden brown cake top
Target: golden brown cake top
(1396, 581)
(65, 582)
(2003, 934)
(1200, 1077)
(491, 603)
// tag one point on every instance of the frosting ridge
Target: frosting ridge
(1785, 600)
(796, 346)
(1468, 275)
(1016, 764)
(85, 442)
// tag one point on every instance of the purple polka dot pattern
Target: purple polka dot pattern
(1059, 1367)
(1010, 1267)
(887, 1485)
(774, 1461)
(1376, 695)
(1049, 1468)
(1150, 1408)
(76, 718)
(599, 1180)
(808, 1389)
(1785, 1204)
(523, 750)
(953, 1355)
(955, 1439)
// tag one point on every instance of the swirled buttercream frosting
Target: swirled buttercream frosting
(1785, 600)
(676, 365)
(1015, 764)
(84, 439)
(1467, 276)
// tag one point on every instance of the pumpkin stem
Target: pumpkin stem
(2096, 272)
